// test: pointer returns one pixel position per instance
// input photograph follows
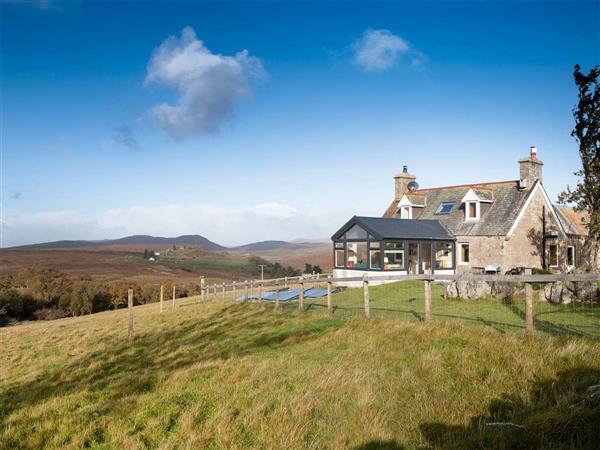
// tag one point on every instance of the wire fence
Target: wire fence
(524, 310)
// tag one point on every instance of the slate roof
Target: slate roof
(572, 221)
(496, 217)
(393, 228)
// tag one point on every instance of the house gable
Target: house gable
(537, 190)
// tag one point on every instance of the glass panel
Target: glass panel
(464, 253)
(393, 256)
(570, 256)
(426, 257)
(413, 259)
(357, 255)
(405, 212)
(445, 208)
(374, 244)
(375, 256)
(553, 255)
(339, 245)
(356, 232)
(339, 258)
(472, 210)
(443, 255)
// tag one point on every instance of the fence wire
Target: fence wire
(404, 300)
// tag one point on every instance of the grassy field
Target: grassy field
(405, 301)
(222, 375)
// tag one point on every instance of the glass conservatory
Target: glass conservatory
(383, 244)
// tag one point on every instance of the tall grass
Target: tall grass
(221, 375)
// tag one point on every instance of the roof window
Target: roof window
(445, 208)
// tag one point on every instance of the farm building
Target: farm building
(481, 227)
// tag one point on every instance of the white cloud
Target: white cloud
(380, 50)
(226, 225)
(208, 85)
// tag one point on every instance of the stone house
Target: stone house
(492, 227)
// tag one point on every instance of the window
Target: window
(339, 245)
(339, 258)
(472, 210)
(405, 212)
(570, 256)
(443, 255)
(374, 255)
(356, 255)
(393, 256)
(445, 208)
(464, 254)
(553, 255)
(356, 232)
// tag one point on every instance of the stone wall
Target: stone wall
(524, 248)
(557, 292)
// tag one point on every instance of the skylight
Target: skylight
(445, 208)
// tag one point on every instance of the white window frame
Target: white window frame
(557, 256)
(468, 208)
(461, 262)
(570, 266)
(406, 212)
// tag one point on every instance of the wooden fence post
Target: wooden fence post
(329, 303)
(529, 308)
(223, 291)
(366, 295)
(427, 300)
(202, 293)
(277, 305)
(285, 285)
(246, 289)
(233, 290)
(173, 307)
(162, 296)
(260, 288)
(130, 313)
(301, 296)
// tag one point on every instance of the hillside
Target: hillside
(222, 375)
(269, 246)
(193, 240)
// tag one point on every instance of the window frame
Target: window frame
(461, 261)
(553, 266)
(468, 216)
(441, 207)
(572, 248)
(408, 210)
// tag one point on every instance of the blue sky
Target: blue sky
(273, 120)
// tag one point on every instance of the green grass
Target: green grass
(405, 301)
(221, 375)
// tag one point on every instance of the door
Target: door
(413, 259)
(426, 262)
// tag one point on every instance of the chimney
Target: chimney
(401, 182)
(530, 169)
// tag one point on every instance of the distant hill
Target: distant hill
(265, 246)
(194, 239)
(190, 239)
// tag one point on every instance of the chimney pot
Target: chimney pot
(405, 169)
(530, 169)
(533, 152)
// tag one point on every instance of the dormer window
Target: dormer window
(407, 203)
(472, 201)
(472, 210)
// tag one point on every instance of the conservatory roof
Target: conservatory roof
(390, 228)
